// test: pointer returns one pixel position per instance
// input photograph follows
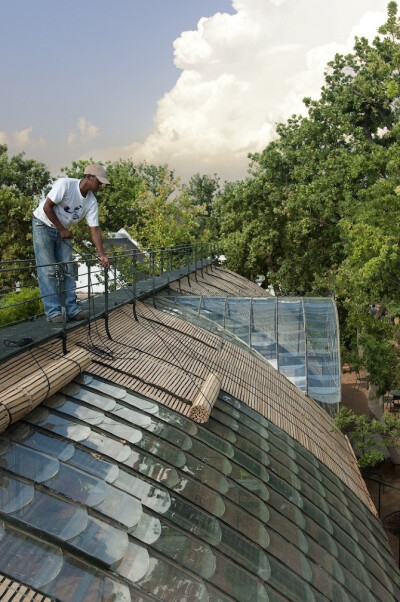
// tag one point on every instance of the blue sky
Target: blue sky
(194, 83)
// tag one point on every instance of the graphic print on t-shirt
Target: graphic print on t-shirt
(74, 212)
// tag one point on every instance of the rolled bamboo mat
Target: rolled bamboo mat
(22, 397)
(205, 399)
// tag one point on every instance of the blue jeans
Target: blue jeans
(50, 248)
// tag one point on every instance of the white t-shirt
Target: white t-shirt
(71, 206)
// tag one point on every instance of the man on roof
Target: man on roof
(68, 202)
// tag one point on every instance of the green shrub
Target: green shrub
(16, 307)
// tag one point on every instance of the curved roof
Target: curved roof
(108, 495)
(110, 492)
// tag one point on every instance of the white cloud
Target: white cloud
(84, 132)
(22, 139)
(4, 138)
(243, 73)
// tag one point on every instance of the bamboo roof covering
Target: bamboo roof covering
(218, 282)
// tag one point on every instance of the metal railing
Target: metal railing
(20, 299)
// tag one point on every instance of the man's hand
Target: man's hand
(65, 233)
(104, 261)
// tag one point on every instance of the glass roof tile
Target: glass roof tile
(101, 443)
(27, 462)
(94, 465)
(151, 496)
(246, 524)
(236, 582)
(186, 551)
(210, 456)
(289, 511)
(53, 515)
(78, 580)
(207, 475)
(289, 584)
(28, 559)
(57, 424)
(200, 495)
(166, 581)
(162, 449)
(288, 530)
(215, 442)
(132, 416)
(146, 465)
(14, 494)
(248, 501)
(78, 411)
(148, 529)
(177, 420)
(102, 541)
(78, 485)
(293, 558)
(194, 520)
(249, 481)
(170, 434)
(221, 431)
(121, 506)
(122, 431)
(94, 398)
(248, 555)
(24, 433)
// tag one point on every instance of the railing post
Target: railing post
(60, 276)
(187, 264)
(106, 304)
(195, 262)
(134, 280)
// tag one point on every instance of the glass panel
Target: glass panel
(249, 502)
(79, 486)
(53, 515)
(246, 524)
(57, 424)
(109, 447)
(132, 416)
(238, 583)
(151, 496)
(27, 559)
(249, 481)
(148, 529)
(78, 580)
(170, 434)
(135, 564)
(123, 431)
(103, 541)
(187, 426)
(166, 581)
(194, 520)
(23, 433)
(210, 456)
(200, 495)
(244, 552)
(186, 551)
(14, 494)
(70, 408)
(120, 506)
(205, 474)
(96, 466)
(163, 450)
(237, 318)
(107, 404)
(263, 328)
(215, 442)
(28, 462)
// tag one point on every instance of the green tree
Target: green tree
(22, 182)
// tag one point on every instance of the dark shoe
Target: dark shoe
(57, 319)
(82, 315)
